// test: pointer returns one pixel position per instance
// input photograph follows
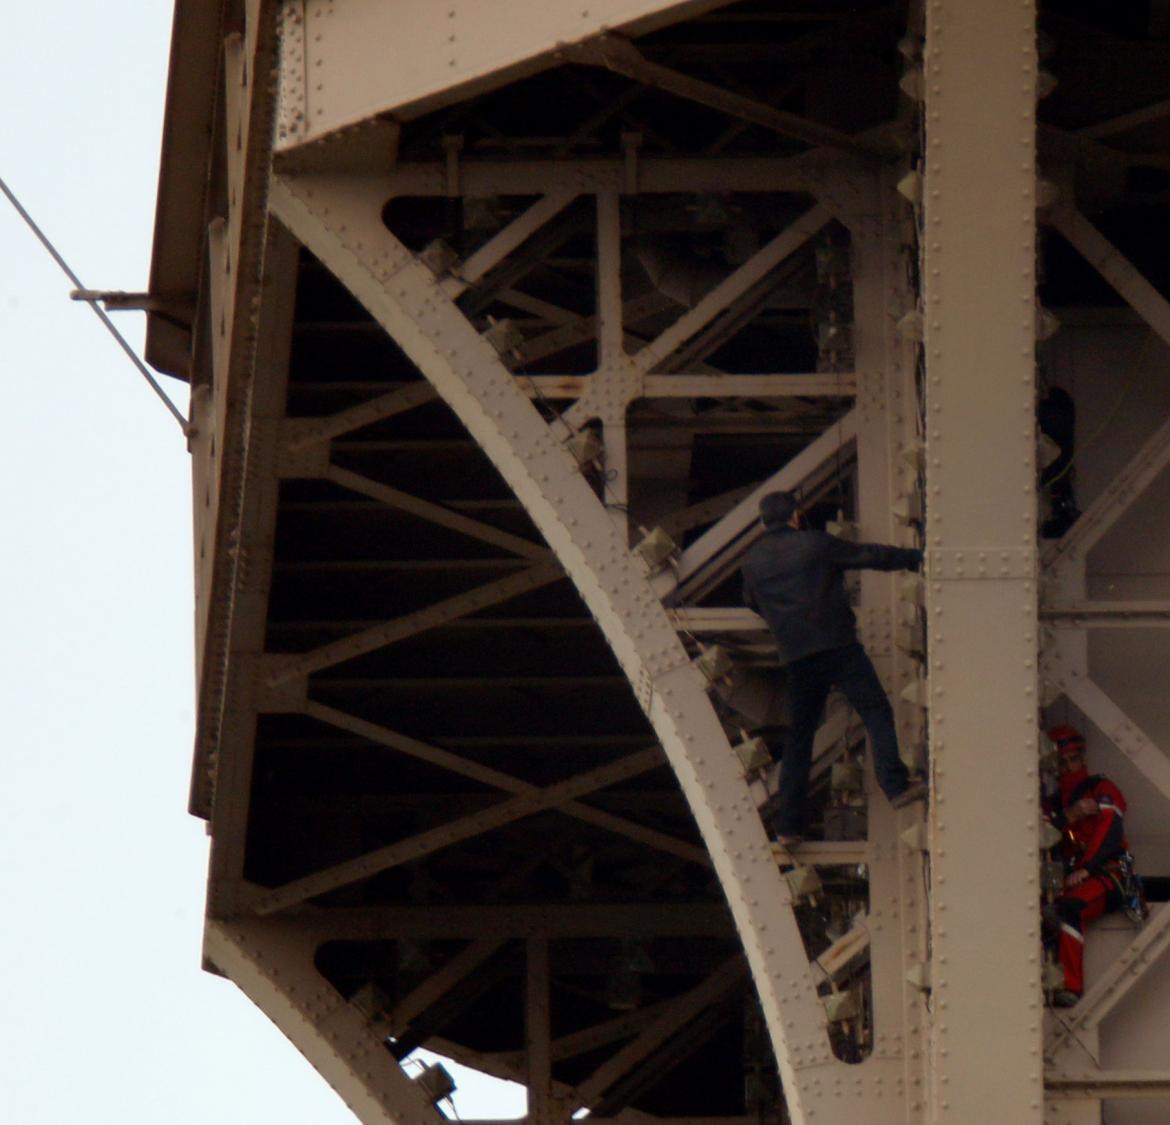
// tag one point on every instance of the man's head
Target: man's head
(778, 508)
(1070, 748)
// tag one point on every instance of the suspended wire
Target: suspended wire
(98, 311)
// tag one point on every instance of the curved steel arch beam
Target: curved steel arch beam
(271, 962)
(337, 217)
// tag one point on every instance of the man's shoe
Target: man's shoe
(1064, 998)
(915, 791)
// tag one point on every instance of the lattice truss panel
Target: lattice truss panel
(495, 357)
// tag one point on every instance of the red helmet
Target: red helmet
(1068, 740)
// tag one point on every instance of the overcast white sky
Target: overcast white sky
(105, 1015)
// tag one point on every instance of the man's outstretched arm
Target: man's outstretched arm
(872, 556)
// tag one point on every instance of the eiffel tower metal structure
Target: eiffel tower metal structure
(498, 319)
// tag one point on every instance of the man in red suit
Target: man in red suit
(1089, 811)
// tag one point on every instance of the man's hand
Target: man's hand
(1078, 810)
(1076, 878)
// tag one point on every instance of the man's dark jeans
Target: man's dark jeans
(809, 682)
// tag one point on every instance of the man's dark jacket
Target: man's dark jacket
(795, 581)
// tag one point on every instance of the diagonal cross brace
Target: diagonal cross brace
(734, 285)
(621, 56)
(338, 217)
(737, 530)
(440, 982)
(435, 839)
(1147, 946)
(436, 513)
(284, 668)
(1117, 726)
(1138, 474)
(445, 759)
(310, 432)
(1114, 267)
(500, 245)
(678, 1014)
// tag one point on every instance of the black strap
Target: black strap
(1084, 788)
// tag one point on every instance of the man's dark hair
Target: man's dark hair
(777, 507)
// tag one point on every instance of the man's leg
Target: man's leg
(807, 688)
(856, 677)
(1077, 907)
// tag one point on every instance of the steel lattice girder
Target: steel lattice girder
(954, 562)
(338, 218)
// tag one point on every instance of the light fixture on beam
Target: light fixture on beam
(803, 882)
(1047, 323)
(910, 326)
(913, 85)
(655, 549)
(841, 1006)
(438, 257)
(909, 187)
(435, 1080)
(585, 446)
(713, 663)
(503, 335)
(753, 754)
(915, 692)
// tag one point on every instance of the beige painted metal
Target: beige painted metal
(305, 433)
(337, 74)
(1092, 1083)
(458, 968)
(438, 756)
(436, 513)
(1097, 250)
(1147, 613)
(496, 249)
(338, 218)
(727, 539)
(239, 244)
(1065, 669)
(272, 963)
(887, 414)
(232, 658)
(1123, 1002)
(619, 379)
(1063, 558)
(979, 311)
(1069, 1031)
(980, 75)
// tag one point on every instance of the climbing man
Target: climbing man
(794, 578)
(1088, 809)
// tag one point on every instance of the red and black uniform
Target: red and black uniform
(1094, 843)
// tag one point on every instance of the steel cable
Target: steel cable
(99, 312)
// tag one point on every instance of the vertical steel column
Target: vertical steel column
(611, 356)
(886, 441)
(979, 285)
